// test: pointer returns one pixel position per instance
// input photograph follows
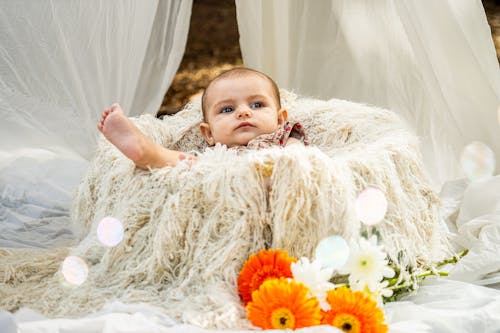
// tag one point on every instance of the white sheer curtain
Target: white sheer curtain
(433, 62)
(61, 63)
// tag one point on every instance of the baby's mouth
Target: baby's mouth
(244, 124)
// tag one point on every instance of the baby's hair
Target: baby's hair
(240, 72)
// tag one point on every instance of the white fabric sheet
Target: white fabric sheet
(61, 63)
(433, 62)
(36, 188)
(440, 306)
(478, 229)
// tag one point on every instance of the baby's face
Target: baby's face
(238, 109)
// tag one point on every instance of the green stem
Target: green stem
(429, 273)
(419, 277)
(401, 286)
(454, 259)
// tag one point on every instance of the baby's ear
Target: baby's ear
(207, 133)
(282, 116)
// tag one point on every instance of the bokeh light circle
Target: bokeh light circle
(371, 206)
(477, 160)
(110, 231)
(75, 270)
(332, 252)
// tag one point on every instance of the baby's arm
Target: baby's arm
(156, 156)
(129, 139)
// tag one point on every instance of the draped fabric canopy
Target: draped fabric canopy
(433, 62)
(61, 63)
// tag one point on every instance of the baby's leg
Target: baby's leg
(123, 133)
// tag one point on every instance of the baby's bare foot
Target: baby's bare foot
(122, 132)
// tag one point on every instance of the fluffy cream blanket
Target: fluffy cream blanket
(189, 229)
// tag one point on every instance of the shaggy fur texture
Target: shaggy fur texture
(189, 229)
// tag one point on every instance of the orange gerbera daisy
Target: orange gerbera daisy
(280, 303)
(260, 267)
(353, 312)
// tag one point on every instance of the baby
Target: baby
(241, 108)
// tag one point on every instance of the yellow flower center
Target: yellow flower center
(282, 318)
(347, 323)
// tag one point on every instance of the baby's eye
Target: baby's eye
(227, 109)
(256, 105)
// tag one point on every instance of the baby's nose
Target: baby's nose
(243, 111)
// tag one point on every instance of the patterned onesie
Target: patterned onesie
(291, 129)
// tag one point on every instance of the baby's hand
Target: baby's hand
(188, 158)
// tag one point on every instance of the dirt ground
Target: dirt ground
(213, 46)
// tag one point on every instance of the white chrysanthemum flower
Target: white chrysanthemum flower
(314, 277)
(376, 292)
(367, 263)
